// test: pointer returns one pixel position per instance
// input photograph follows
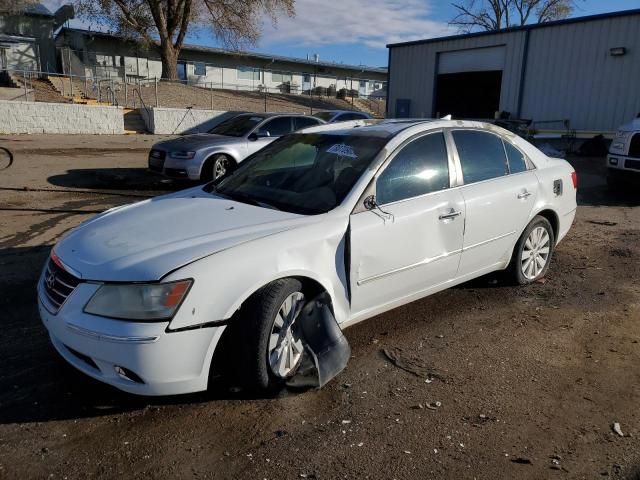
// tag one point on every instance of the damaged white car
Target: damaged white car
(336, 223)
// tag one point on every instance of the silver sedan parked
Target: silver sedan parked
(335, 116)
(208, 156)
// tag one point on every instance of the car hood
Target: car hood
(193, 142)
(147, 240)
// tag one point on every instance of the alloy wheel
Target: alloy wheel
(535, 253)
(220, 166)
(285, 345)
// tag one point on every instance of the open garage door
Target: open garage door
(469, 95)
(469, 82)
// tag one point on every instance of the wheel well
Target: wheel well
(553, 220)
(220, 364)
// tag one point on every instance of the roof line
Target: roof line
(223, 51)
(534, 26)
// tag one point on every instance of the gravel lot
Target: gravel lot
(532, 378)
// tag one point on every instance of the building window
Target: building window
(363, 84)
(248, 73)
(279, 77)
(199, 68)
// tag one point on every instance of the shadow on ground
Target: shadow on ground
(592, 185)
(137, 179)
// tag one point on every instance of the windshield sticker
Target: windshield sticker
(342, 150)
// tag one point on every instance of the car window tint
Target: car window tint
(481, 155)
(304, 122)
(277, 127)
(345, 117)
(421, 167)
(517, 161)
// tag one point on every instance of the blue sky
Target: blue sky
(356, 31)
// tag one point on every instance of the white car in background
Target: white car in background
(372, 217)
(623, 161)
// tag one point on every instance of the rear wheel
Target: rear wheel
(533, 252)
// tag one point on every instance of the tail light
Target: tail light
(574, 179)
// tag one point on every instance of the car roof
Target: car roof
(392, 127)
(272, 114)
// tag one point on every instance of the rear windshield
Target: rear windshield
(326, 116)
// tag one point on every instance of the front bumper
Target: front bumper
(623, 164)
(172, 168)
(140, 358)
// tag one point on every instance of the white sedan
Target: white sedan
(371, 217)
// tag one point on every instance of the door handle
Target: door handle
(524, 195)
(451, 215)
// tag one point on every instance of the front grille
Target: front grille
(58, 284)
(634, 148)
(633, 164)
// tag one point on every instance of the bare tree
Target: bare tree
(164, 24)
(497, 14)
(15, 6)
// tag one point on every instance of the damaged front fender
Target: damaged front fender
(327, 351)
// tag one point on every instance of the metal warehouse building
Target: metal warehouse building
(581, 74)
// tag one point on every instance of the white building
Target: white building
(97, 54)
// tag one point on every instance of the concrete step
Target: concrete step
(133, 122)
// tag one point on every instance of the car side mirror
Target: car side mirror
(253, 137)
(370, 202)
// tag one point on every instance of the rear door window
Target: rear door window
(419, 168)
(482, 155)
(277, 127)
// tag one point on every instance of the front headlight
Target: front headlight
(182, 155)
(158, 301)
(618, 146)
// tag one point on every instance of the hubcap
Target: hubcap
(285, 346)
(535, 253)
(219, 167)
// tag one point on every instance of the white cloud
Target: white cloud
(372, 23)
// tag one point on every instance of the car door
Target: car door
(412, 241)
(268, 132)
(498, 198)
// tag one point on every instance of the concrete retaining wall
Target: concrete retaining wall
(170, 121)
(40, 117)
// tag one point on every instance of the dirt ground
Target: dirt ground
(532, 378)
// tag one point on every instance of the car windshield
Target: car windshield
(237, 126)
(326, 116)
(302, 173)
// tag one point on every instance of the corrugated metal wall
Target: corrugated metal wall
(570, 73)
(413, 70)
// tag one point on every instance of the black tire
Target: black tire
(515, 267)
(206, 174)
(254, 327)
